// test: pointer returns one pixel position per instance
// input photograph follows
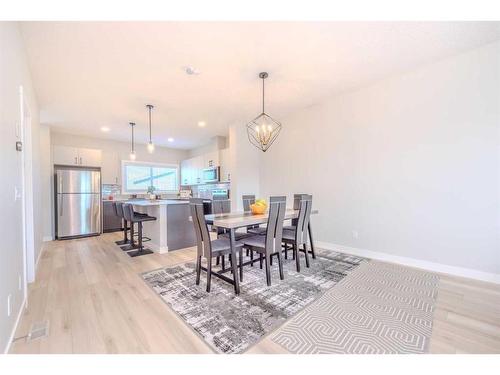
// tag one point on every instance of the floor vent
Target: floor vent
(38, 330)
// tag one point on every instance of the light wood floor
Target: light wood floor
(91, 293)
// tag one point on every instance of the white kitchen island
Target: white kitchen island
(172, 229)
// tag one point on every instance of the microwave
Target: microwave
(211, 174)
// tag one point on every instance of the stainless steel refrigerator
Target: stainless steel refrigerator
(78, 202)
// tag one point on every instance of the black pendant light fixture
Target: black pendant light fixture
(263, 130)
(151, 146)
(132, 151)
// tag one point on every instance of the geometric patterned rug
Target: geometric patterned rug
(380, 308)
(230, 323)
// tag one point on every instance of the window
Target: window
(137, 177)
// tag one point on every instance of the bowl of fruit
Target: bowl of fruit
(259, 207)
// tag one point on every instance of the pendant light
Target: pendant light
(263, 130)
(132, 151)
(151, 146)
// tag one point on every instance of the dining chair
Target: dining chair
(248, 200)
(297, 237)
(270, 244)
(209, 249)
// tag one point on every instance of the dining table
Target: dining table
(235, 220)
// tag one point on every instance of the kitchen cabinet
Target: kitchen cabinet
(211, 159)
(110, 168)
(192, 169)
(84, 157)
(111, 222)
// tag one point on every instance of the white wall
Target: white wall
(244, 166)
(216, 143)
(411, 163)
(46, 179)
(14, 73)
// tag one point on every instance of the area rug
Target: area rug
(380, 308)
(230, 323)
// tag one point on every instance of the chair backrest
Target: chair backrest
(305, 205)
(277, 208)
(296, 200)
(127, 208)
(115, 210)
(200, 227)
(247, 201)
(119, 209)
(220, 205)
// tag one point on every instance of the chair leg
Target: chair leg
(293, 252)
(260, 260)
(311, 240)
(198, 269)
(217, 261)
(209, 273)
(307, 256)
(223, 262)
(231, 262)
(251, 258)
(296, 256)
(125, 239)
(241, 264)
(248, 252)
(286, 251)
(280, 265)
(271, 259)
(268, 269)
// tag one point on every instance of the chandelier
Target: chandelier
(263, 130)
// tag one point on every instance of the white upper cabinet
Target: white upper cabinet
(211, 159)
(192, 169)
(110, 168)
(84, 157)
(89, 157)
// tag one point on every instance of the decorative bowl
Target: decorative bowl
(258, 209)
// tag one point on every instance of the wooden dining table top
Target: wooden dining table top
(235, 220)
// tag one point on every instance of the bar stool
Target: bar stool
(135, 217)
(118, 209)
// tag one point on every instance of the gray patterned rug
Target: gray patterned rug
(379, 308)
(231, 324)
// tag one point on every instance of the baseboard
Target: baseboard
(18, 319)
(47, 238)
(412, 262)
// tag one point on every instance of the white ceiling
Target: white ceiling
(93, 74)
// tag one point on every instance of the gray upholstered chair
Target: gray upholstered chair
(209, 249)
(270, 244)
(297, 237)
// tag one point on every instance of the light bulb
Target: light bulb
(269, 127)
(257, 128)
(132, 155)
(151, 147)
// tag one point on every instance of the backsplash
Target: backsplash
(114, 191)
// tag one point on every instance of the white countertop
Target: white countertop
(147, 202)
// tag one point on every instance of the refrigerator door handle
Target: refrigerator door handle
(60, 205)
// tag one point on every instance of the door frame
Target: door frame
(27, 192)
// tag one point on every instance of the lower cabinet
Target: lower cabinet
(111, 222)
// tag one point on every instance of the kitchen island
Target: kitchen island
(172, 229)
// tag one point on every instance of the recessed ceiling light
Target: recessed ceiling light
(170, 139)
(191, 71)
(202, 124)
(105, 129)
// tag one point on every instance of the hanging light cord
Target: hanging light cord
(132, 125)
(263, 94)
(150, 107)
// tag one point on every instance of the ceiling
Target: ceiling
(93, 74)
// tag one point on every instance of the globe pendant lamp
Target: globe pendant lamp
(263, 130)
(151, 146)
(132, 151)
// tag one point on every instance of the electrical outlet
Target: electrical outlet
(9, 308)
(355, 234)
